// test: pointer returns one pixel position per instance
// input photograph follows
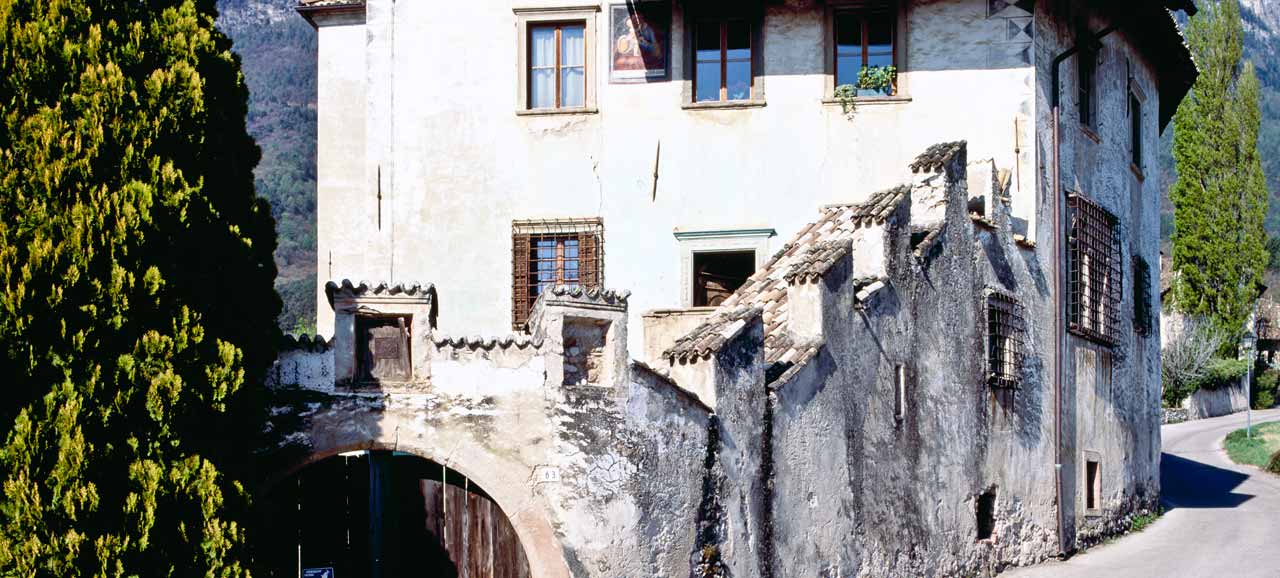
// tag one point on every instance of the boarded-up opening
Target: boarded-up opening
(716, 275)
(383, 348)
(1093, 485)
(389, 515)
(986, 512)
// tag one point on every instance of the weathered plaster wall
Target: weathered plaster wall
(1113, 414)
(458, 164)
(864, 493)
(598, 479)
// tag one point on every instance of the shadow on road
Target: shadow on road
(1190, 484)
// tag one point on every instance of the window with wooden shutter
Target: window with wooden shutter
(549, 253)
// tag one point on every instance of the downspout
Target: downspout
(1059, 258)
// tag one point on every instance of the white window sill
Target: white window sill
(723, 105)
(557, 111)
(869, 100)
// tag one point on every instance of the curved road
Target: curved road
(1221, 520)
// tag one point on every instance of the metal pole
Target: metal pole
(1248, 397)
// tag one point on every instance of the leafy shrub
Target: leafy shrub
(1223, 373)
(1274, 466)
(1265, 389)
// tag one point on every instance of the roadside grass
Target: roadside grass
(1141, 521)
(1256, 451)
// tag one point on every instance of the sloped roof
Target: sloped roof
(811, 252)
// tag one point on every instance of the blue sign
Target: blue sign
(317, 573)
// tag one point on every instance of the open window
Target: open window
(1087, 80)
(716, 275)
(1092, 487)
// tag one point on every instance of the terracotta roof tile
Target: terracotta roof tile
(811, 252)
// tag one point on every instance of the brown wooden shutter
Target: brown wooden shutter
(520, 280)
(590, 261)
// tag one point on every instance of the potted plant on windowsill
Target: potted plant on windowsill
(872, 81)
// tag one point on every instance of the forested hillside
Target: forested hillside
(278, 51)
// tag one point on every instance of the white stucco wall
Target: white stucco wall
(458, 164)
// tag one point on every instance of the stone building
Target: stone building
(888, 267)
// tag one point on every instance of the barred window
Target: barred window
(1141, 296)
(1096, 277)
(1006, 334)
(546, 253)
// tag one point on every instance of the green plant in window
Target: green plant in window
(879, 79)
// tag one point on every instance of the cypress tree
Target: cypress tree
(136, 302)
(1220, 196)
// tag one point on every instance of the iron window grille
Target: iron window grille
(1096, 277)
(547, 253)
(1141, 296)
(1006, 340)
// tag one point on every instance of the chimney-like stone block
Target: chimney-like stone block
(586, 330)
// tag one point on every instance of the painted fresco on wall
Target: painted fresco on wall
(640, 34)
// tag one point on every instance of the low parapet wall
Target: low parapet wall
(1206, 403)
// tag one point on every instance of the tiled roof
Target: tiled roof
(811, 252)
(935, 158)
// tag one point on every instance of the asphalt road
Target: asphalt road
(1222, 519)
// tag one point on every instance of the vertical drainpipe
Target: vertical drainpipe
(1058, 307)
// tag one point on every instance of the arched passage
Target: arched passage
(383, 514)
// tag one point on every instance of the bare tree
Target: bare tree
(1186, 355)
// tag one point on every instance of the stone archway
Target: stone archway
(499, 479)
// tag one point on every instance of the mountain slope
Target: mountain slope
(277, 49)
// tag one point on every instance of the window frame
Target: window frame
(899, 9)
(527, 19)
(1087, 88)
(558, 67)
(1094, 305)
(753, 17)
(588, 232)
(1135, 132)
(723, 23)
(864, 13)
(710, 241)
(1006, 335)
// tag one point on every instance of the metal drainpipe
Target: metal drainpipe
(1059, 311)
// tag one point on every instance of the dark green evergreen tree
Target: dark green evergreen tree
(136, 303)
(1220, 198)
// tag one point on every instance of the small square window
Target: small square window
(716, 275)
(865, 39)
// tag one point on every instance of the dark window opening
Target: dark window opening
(1142, 317)
(1006, 334)
(717, 275)
(864, 38)
(986, 514)
(383, 348)
(546, 254)
(1087, 68)
(1093, 485)
(1096, 275)
(723, 62)
(1135, 134)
